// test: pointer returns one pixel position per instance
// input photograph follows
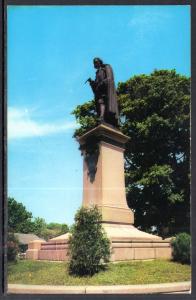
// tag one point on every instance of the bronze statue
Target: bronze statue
(104, 91)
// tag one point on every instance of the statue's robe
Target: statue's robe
(111, 105)
(104, 90)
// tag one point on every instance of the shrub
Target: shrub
(181, 248)
(12, 247)
(89, 246)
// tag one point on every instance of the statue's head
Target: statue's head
(97, 62)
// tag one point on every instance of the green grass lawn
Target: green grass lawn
(138, 272)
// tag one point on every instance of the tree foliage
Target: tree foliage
(53, 230)
(89, 246)
(86, 116)
(19, 219)
(154, 113)
(39, 227)
(12, 247)
(58, 228)
(22, 221)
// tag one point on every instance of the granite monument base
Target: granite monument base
(127, 243)
(104, 186)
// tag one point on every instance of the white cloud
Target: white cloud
(22, 125)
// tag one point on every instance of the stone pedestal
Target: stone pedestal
(104, 186)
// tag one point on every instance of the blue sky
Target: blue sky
(50, 52)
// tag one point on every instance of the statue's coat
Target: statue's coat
(112, 106)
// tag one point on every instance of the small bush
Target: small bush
(89, 246)
(12, 247)
(181, 248)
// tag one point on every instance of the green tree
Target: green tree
(54, 226)
(19, 219)
(85, 115)
(58, 228)
(12, 247)
(89, 246)
(64, 228)
(54, 230)
(40, 227)
(154, 113)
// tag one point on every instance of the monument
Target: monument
(103, 175)
(104, 183)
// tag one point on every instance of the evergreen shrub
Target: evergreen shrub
(181, 248)
(12, 247)
(89, 245)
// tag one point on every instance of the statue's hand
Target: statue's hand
(89, 80)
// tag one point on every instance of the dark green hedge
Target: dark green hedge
(181, 248)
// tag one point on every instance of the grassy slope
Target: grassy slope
(54, 273)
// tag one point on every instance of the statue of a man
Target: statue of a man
(104, 91)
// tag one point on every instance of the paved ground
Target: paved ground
(180, 287)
